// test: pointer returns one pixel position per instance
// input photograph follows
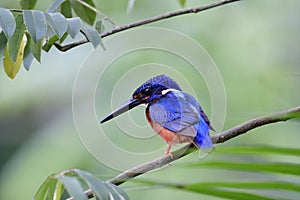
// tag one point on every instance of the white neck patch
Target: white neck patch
(144, 105)
(163, 92)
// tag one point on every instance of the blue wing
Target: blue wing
(174, 112)
(180, 112)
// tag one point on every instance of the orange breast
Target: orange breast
(169, 136)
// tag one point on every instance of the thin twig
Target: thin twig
(149, 20)
(219, 138)
(96, 11)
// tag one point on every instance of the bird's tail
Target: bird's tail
(202, 139)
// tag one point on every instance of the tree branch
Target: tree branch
(147, 21)
(254, 123)
(219, 138)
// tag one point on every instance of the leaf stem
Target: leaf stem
(105, 17)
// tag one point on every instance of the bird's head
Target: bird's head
(148, 92)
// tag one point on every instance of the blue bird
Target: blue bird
(173, 114)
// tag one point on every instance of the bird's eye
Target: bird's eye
(147, 91)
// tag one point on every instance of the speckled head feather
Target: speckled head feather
(160, 80)
(165, 81)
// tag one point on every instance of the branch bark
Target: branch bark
(147, 21)
(218, 138)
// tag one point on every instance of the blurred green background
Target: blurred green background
(255, 45)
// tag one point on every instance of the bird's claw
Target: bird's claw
(168, 153)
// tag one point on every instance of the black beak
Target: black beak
(123, 108)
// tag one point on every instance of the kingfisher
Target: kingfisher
(174, 115)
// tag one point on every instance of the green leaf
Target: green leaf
(73, 187)
(95, 184)
(293, 169)
(16, 39)
(249, 185)
(231, 185)
(3, 42)
(54, 6)
(50, 43)
(101, 189)
(112, 193)
(12, 68)
(42, 191)
(7, 22)
(232, 190)
(182, 2)
(36, 24)
(66, 9)
(267, 176)
(27, 4)
(62, 39)
(92, 35)
(28, 57)
(119, 191)
(259, 150)
(74, 26)
(51, 188)
(57, 22)
(36, 49)
(224, 193)
(59, 189)
(222, 190)
(99, 26)
(85, 13)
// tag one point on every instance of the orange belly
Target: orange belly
(173, 138)
(169, 136)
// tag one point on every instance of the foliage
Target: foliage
(73, 181)
(253, 162)
(25, 33)
(132, 2)
(42, 30)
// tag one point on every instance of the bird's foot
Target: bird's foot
(169, 153)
